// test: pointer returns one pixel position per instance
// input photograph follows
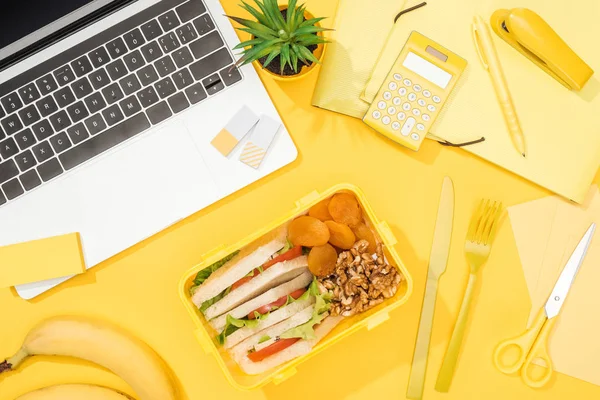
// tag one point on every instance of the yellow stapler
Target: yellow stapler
(527, 32)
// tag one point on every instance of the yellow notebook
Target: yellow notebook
(561, 127)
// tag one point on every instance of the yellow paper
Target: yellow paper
(561, 127)
(360, 31)
(42, 259)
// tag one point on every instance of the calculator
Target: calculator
(414, 91)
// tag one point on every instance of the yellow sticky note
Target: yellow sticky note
(41, 259)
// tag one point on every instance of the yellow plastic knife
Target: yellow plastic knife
(437, 266)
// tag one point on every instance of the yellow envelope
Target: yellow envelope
(41, 259)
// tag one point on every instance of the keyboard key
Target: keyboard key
(130, 83)
(2, 113)
(29, 93)
(134, 39)
(2, 198)
(159, 112)
(99, 79)
(95, 102)
(8, 170)
(64, 75)
(60, 142)
(165, 87)
(78, 133)
(168, 21)
(230, 75)
(60, 120)
(204, 24)
(104, 141)
(116, 69)
(64, 96)
(147, 75)
(190, 10)
(81, 66)
(30, 180)
(182, 78)
(29, 115)
(169, 42)
(12, 124)
(95, 124)
(113, 114)
(77, 111)
(82, 87)
(186, 33)
(12, 189)
(151, 30)
(210, 64)
(178, 102)
(112, 93)
(43, 151)
(130, 106)
(8, 148)
(116, 48)
(151, 51)
(11, 103)
(213, 84)
(25, 160)
(42, 129)
(25, 139)
(196, 93)
(50, 169)
(206, 44)
(47, 106)
(46, 84)
(165, 66)
(99, 57)
(147, 96)
(134, 60)
(2, 134)
(182, 57)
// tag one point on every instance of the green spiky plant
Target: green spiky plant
(274, 36)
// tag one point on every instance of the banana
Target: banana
(74, 392)
(104, 344)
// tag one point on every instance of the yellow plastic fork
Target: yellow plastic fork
(477, 250)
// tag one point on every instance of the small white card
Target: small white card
(259, 141)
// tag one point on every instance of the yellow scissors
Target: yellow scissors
(533, 343)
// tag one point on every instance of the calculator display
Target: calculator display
(427, 70)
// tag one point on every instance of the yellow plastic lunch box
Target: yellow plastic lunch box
(368, 319)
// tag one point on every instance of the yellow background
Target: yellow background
(138, 289)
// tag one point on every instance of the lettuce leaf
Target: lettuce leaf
(233, 324)
(204, 306)
(288, 246)
(322, 305)
(264, 338)
(203, 275)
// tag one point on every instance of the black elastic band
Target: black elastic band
(409, 9)
(447, 143)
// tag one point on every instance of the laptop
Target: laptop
(107, 112)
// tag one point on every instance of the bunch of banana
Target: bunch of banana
(104, 344)
(74, 392)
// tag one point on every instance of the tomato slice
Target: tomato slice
(276, 304)
(276, 347)
(287, 256)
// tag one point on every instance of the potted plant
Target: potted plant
(286, 40)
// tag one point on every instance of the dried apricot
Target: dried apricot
(363, 232)
(340, 235)
(308, 231)
(322, 260)
(320, 210)
(344, 209)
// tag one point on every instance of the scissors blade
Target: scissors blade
(563, 285)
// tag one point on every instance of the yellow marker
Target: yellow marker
(487, 54)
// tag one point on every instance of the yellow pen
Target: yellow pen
(487, 54)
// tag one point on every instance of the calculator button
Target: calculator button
(408, 125)
(386, 120)
(396, 101)
(431, 108)
(416, 111)
(407, 82)
(417, 88)
(381, 105)
(392, 110)
(425, 117)
(393, 86)
(395, 125)
(376, 114)
(401, 116)
(421, 127)
(406, 106)
(402, 91)
(412, 97)
(421, 102)
(436, 99)
(415, 136)
(426, 93)
(387, 95)
(397, 77)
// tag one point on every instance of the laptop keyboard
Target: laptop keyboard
(108, 89)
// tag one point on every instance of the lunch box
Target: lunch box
(369, 319)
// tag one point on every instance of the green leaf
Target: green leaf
(310, 41)
(258, 51)
(248, 43)
(322, 305)
(204, 306)
(296, 49)
(309, 29)
(254, 25)
(311, 21)
(260, 17)
(272, 8)
(263, 9)
(258, 34)
(285, 56)
(291, 15)
(308, 55)
(263, 339)
(274, 53)
(203, 275)
(300, 15)
(294, 59)
(233, 324)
